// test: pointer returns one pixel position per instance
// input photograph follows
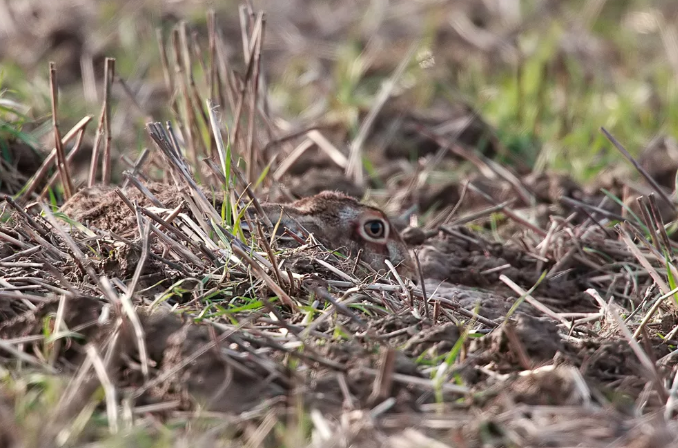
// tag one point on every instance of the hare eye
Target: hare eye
(375, 228)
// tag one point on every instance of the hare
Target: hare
(341, 223)
(337, 221)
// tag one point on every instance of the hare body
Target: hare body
(340, 222)
(337, 221)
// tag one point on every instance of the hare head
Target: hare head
(341, 223)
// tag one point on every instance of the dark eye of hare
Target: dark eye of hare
(375, 228)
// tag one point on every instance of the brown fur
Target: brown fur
(334, 219)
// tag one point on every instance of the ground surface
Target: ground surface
(137, 312)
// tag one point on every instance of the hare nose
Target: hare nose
(399, 258)
(395, 254)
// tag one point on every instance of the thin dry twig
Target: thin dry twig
(639, 168)
(354, 168)
(62, 164)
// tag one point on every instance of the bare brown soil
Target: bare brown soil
(528, 362)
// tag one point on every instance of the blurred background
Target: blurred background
(420, 88)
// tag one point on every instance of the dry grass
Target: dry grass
(162, 314)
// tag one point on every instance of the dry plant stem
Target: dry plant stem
(508, 212)
(436, 311)
(517, 346)
(225, 78)
(258, 435)
(62, 165)
(138, 165)
(325, 295)
(653, 251)
(12, 240)
(463, 311)
(215, 170)
(172, 265)
(127, 297)
(476, 215)
(350, 280)
(145, 191)
(291, 158)
(642, 356)
(42, 230)
(193, 97)
(405, 290)
(423, 382)
(213, 75)
(652, 311)
(109, 390)
(349, 402)
(249, 58)
(271, 255)
(208, 225)
(255, 201)
(254, 85)
(532, 301)
(200, 246)
(354, 169)
(42, 171)
(562, 262)
(234, 169)
(127, 202)
(513, 180)
(187, 119)
(435, 161)
(80, 388)
(418, 293)
(583, 205)
(258, 270)
(130, 170)
(221, 149)
(245, 38)
(383, 382)
(55, 253)
(653, 273)
(78, 256)
(179, 249)
(659, 222)
(642, 259)
(106, 162)
(290, 136)
(649, 222)
(332, 151)
(167, 74)
(19, 354)
(590, 219)
(420, 274)
(312, 358)
(22, 253)
(213, 67)
(479, 162)
(447, 212)
(640, 169)
(60, 277)
(20, 296)
(128, 92)
(94, 162)
(71, 155)
(314, 137)
(196, 51)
